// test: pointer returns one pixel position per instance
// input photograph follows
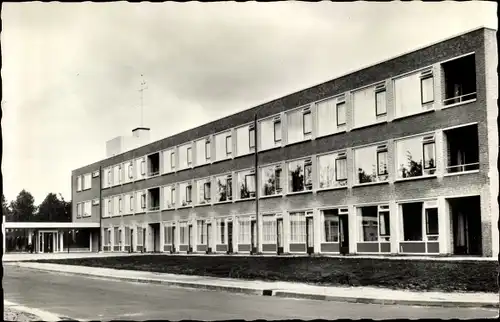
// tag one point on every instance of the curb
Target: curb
(41, 314)
(278, 293)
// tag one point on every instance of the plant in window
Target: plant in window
(364, 178)
(414, 168)
(222, 190)
(297, 179)
(244, 192)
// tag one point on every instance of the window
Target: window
(79, 183)
(269, 133)
(202, 232)
(371, 164)
(380, 101)
(143, 201)
(120, 205)
(203, 191)
(127, 236)
(427, 88)
(202, 151)
(295, 126)
(415, 157)
(185, 196)
(143, 167)
(131, 171)
(326, 117)
(369, 224)
(307, 122)
(138, 166)
(184, 157)
(460, 80)
(110, 207)
(221, 231)
(412, 221)
(224, 188)
(341, 168)
(341, 113)
(384, 221)
(116, 205)
(222, 145)
(132, 203)
(228, 145)
(189, 191)
(189, 157)
(297, 228)
(117, 239)
(169, 236)
(251, 138)
(364, 107)
(183, 234)
(331, 226)
(207, 150)
(87, 181)
(244, 230)
(462, 148)
(271, 180)
(432, 224)
(412, 92)
(172, 160)
(300, 175)
(244, 137)
(277, 131)
(269, 229)
(326, 172)
(169, 197)
(246, 184)
(79, 210)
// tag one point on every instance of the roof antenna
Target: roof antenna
(143, 87)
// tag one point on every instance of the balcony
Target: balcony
(153, 164)
(460, 80)
(154, 199)
(462, 149)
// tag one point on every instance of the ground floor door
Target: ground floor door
(190, 238)
(144, 239)
(466, 219)
(310, 235)
(344, 234)
(48, 242)
(253, 227)
(279, 236)
(131, 240)
(230, 237)
(209, 238)
(173, 240)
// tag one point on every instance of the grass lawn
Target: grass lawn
(470, 276)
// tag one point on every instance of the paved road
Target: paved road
(85, 298)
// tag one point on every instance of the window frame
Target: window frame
(189, 192)
(251, 138)
(172, 196)
(304, 115)
(207, 150)
(143, 201)
(229, 149)
(131, 202)
(337, 159)
(378, 92)
(130, 171)
(79, 183)
(172, 160)
(277, 130)
(386, 152)
(422, 79)
(246, 185)
(337, 105)
(205, 185)
(424, 166)
(189, 156)
(426, 215)
(325, 220)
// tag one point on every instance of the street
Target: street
(84, 298)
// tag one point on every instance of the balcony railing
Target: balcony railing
(460, 99)
(154, 173)
(154, 208)
(462, 167)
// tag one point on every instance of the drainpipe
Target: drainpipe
(99, 240)
(256, 185)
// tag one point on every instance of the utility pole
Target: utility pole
(141, 90)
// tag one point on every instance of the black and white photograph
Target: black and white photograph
(216, 161)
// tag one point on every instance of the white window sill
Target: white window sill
(221, 160)
(331, 188)
(458, 104)
(368, 242)
(86, 189)
(370, 183)
(244, 155)
(271, 196)
(168, 208)
(129, 214)
(298, 192)
(140, 179)
(414, 114)
(201, 165)
(416, 178)
(271, 148)
(203, 205)
(460, 173)
(246, 199)
(140, 212)
(222, 202)
(358, 127)
(153, 176)
(169, 172)
(184, 169)
(185, 207)
(330, 243)
(297, 142)
(330, 134)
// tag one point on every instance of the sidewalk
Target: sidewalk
(18, 257)
(370, 295)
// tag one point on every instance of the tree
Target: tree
(5, 208)
(53, 210)
(23, 208)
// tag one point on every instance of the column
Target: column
(162, 236)
(90, 241)
(317, 224)
(61, 241)
(394, 226)
(353, 224)
(444, 225)
(29, 236)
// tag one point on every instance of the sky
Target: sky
(71, 71)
